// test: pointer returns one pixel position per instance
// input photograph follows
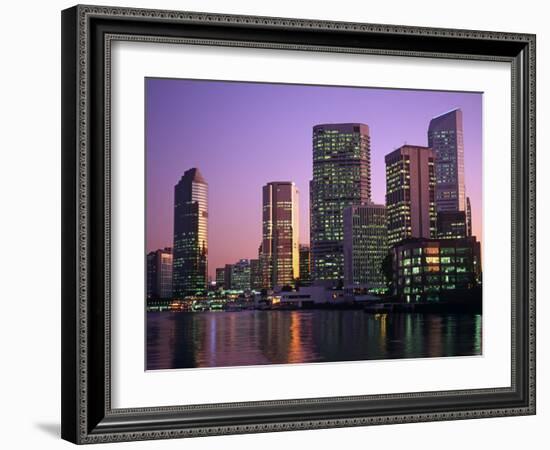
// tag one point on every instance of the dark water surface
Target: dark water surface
(218, 339)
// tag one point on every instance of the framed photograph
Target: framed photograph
(280, 224)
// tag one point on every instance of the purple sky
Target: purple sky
(243, 135)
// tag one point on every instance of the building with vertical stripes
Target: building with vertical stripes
(410, 193)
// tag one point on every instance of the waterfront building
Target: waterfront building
(220, 277)
(190, 250)
(255, 275)
(151, 275)
(365, 245)
(341, 178)
(310, 296)
(227, 271)
(240, 275)
(445, 138)
(410, 193)
(468, 217)
(305, 265)
(159, 274)
(429, 269)
(451, 224)
(280, 234)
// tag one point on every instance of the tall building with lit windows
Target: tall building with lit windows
(240, 275)
(445, 138)
(279, 253)
(305, 265)
(220, 277)
(410, 193)
(255, 275)
(452, 225)
(159, 274)
(365, 245)
(468, 217)
(341, 178)
(190, 250)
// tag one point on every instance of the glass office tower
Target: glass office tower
(279, 253)
(365, 245)
(445, 138)
(410, 193)
(190, 250)
(341, 178)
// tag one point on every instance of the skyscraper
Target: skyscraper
(280, 233)
(255, 275)
(227, 271)
(159, 274)
(305, 265)
(365, 245)
(220, 277)
(341, 178)
(190, 249)
(468, 217)
(410, 193)
(451, 225)
(445, 138)
(240, 275)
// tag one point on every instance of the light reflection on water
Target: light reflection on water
(221, 339)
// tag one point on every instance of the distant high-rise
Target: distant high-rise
(227, 271)
(280, 233)
(365, 245)
(445, 138)
(220, 277)
(410, 193)
(468, 217)
(255, 275)
(240, 275)
(341, 178)
(190, 249)
(451, 225)
(305, 265)
(159, 274)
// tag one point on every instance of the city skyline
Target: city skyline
(234, 170)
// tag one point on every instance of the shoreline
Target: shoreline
(371, 308)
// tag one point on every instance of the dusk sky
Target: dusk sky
(243, 135)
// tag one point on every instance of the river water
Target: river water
(221, 339)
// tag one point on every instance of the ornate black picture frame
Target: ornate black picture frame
(87, 34)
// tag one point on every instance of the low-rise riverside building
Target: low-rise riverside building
(431, 269)
(309, 296)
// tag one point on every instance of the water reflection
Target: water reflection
(214, 339)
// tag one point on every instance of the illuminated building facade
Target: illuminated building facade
(410, 193)
(468, 217)
(159, 274)
(451, 224)
(445, 138)
(255, 275)
(341, 178)
(279, 256)
(190, 249)
(426, 269)
(220, 277)
(365, 245)
(227, 271)
(240, 275)
(305, 265)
